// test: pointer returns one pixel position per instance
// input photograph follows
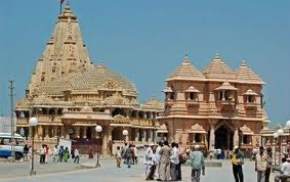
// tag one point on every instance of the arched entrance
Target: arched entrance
(224, 138)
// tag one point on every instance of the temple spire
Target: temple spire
(64, 53)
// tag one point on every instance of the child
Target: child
(118, 157)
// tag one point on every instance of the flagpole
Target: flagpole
(60, 7)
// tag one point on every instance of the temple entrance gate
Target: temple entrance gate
(224, 138)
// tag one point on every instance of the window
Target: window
(251, 99)
(198, 138)
(172, 96)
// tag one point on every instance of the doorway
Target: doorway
(224, 138)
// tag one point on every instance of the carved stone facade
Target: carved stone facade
(70, 96)
(216, 108)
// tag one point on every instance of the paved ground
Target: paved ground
(108, 173)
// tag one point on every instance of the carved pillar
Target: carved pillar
(77, 132)
(193, 138)
(105, 142)
(137, 135)
(40, 132)
(62, 132)
(236, 137)
(84, 132)
(150, 136)
(212, 138)
(144, 136)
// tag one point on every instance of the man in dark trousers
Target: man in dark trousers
(237, 162)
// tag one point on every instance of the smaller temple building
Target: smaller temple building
(217, 108)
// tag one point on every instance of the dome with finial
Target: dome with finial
(246, 75)
(218, 69)
(97, 78)
(153, 103)
(186, 71)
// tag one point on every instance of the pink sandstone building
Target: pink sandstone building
(218, 108)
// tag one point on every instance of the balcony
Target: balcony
(251, 106)
(192, 103)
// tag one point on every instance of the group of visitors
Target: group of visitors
(59, 154)
(128, 153)
(163, 162)
(264, 166)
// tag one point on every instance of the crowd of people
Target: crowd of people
(163, 161)
(57, 154)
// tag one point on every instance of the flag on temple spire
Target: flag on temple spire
(60, 5)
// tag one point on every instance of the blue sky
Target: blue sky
(145, 40)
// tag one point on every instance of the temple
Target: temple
(70, 96)
(217, 108)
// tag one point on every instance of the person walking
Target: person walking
(196, 160)
(148, 161)
(157, 155)
(60, 154)
(128, 155)
(42, 154)
(181, 160)
(269, 164)
(174, 161)
(261, 164)
(118, 157)
(237, 162)
(285, 171)
(55, 154)
(76, 156)
(164, 170)
(66, 155)
(25, 152)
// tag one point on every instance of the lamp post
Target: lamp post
(98, 129)
(288, 133)
(32, 123)
(280, 132)
(125, 133)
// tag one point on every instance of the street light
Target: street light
(279, 134)
(125, 133)
(32, 123)
(98, 129)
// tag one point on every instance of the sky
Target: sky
(145, 40)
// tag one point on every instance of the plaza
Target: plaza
(109, 173)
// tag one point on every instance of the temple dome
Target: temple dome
(97, 78)
(186, 71)
(247, 75)
(218, 69)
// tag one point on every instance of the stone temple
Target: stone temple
(217, 108)
(70, 96)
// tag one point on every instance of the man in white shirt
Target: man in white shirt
(285, 170)
(174, 161)
(261, 165)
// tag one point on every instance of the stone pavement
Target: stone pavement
(109, 173)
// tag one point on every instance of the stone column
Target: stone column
(46, 129)
(212, 139)
(77, 132)
(193, 138)
(137, 135)
(105, 142)
(150, 136)
(84, 132)
(144, 136)
(236, 137)
(62, 132)
(40, 132)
